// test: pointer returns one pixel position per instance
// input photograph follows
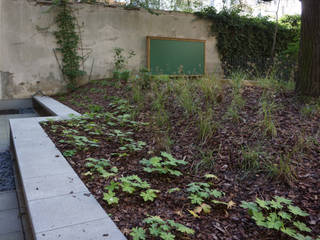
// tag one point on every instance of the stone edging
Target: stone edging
(59, 204)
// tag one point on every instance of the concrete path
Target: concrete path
(10, 221)
(10, 214)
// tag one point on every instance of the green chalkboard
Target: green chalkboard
(175, 56)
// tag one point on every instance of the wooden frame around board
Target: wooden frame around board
(177, 39)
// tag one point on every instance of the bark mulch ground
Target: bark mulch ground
(298, 138)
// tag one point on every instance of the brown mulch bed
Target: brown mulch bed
(226, 145)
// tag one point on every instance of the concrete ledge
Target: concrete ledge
(54, 107)
(59, 204)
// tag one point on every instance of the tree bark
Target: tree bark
(308, 74)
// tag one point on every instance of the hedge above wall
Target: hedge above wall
(245, 43)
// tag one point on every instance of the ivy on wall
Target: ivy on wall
(68, 40)
(245, 43)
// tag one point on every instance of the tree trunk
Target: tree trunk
(308, 75)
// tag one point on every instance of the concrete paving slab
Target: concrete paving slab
(12, 236)
(8, 200)
(52, 186)
(10, 221)
(103, 229)
(52, 213)
(55, 107)
(5, 128)
(59, 204)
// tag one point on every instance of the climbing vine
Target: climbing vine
(68, 40)
(245, 43)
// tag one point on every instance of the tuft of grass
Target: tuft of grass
(283, 170)
(251, 158)
(209, 88)
(207, 126)
(267, 109)
(207, 161)
(184, 95)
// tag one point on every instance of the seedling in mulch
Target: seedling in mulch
(133, 146)
(279, 214)
(99, 165)
(159, 228)
(201, 191)
(163, 165)
(69, 153)
(130, 184)
(80, 142)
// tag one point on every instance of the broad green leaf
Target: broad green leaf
(195, 199)
(284, 215)
(216, 193)
(283, 200)
(301, 226)
(149, 195)
(138, 233)
(262, 203)
(258, 216)
(275, 205)
(289, 231)
(297, 211)
(154, 230)
(110, 198)
(249, 205)
(167, 236)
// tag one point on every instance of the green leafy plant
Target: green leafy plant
(99, 165)
(121, 62)
(69, 153)
(130, 184)
(68, 41)
(163, 229)
(201, 191)
(163, 165)
(278, 214)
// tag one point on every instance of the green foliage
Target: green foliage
(251, 158)
(278, 214)
(268, 124)
(129, 184)
(149, 195)
(200, 191)
(207, 126)
(138, 233)
(99, 165)
(68, 41)
(245, 43)
(163, 165)
(120, 63)
(159, 228)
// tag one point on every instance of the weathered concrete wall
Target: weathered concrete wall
(28, 64)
